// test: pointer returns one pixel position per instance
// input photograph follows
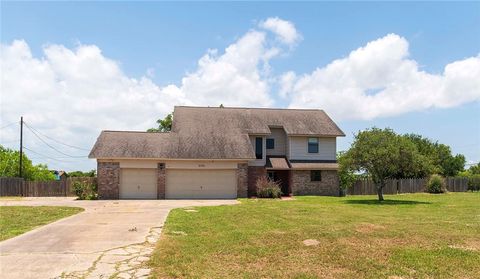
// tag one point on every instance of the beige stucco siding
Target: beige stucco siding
(201, 165)
(138, 164)
(278, 134)
(179, 164)
(298, 149)
(258, 162)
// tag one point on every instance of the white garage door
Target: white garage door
(201, 184)
(138, 184)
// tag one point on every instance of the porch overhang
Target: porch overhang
(277, 163)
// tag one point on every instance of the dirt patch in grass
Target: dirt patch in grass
(311, 242)
(11, 198)
(368, 228)
(469, 245)
(475, 244)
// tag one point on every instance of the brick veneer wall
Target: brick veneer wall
(253, 174)
(242, 180)
(161, 180)
(301, 184)
(108, 179)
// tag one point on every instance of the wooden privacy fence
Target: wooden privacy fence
(406, 185)
(11, 186)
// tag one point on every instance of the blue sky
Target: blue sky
(164, 42)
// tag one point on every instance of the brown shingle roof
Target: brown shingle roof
(122, 144)
(277, 163)
(255, 120)
(212, 133)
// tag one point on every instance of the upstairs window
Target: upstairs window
(312, 145)
(315, 175)
(270, 143)
(259, 148)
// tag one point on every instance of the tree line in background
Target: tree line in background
(9, 167)
(92, 173)
(382, 154)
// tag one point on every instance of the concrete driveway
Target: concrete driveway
(108, 238)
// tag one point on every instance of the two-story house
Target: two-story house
(220, 153)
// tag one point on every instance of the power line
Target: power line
(71, 156)
(8, 125)
(57, 141)
(45, 156)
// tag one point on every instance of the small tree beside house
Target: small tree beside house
(383, 154)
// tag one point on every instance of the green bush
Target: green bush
(436, 184)
(267, 188)
(85, 190)
(474, 182)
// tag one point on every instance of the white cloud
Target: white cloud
(379, 80)
(286, 83)
(233, 78)
(285, 30)
(73, 94)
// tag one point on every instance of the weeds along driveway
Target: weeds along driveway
(108, 238)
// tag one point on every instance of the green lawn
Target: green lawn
(407, 236)
(15, 220)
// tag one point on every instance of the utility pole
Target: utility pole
(21, 147)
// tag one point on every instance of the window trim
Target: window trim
(272, 141)
(259, 145)
(313, 145)
(313, 175)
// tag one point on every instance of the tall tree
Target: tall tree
(164, 125)
(383, 154)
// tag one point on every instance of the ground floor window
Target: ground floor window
(315, 175)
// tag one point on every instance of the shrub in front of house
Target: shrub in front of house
(267, 188)
(85, 190)
(436, 184)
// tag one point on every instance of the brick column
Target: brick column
(161, 176)
(108, 179)
(253, 174)
(242, 180)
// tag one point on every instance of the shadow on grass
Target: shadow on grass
(385, 202)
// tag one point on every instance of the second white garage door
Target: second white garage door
(138, 184)
(201, 184)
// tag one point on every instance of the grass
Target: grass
(407, 236)
(15, 220)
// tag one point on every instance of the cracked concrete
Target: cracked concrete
(110, 239)
(119, 262)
